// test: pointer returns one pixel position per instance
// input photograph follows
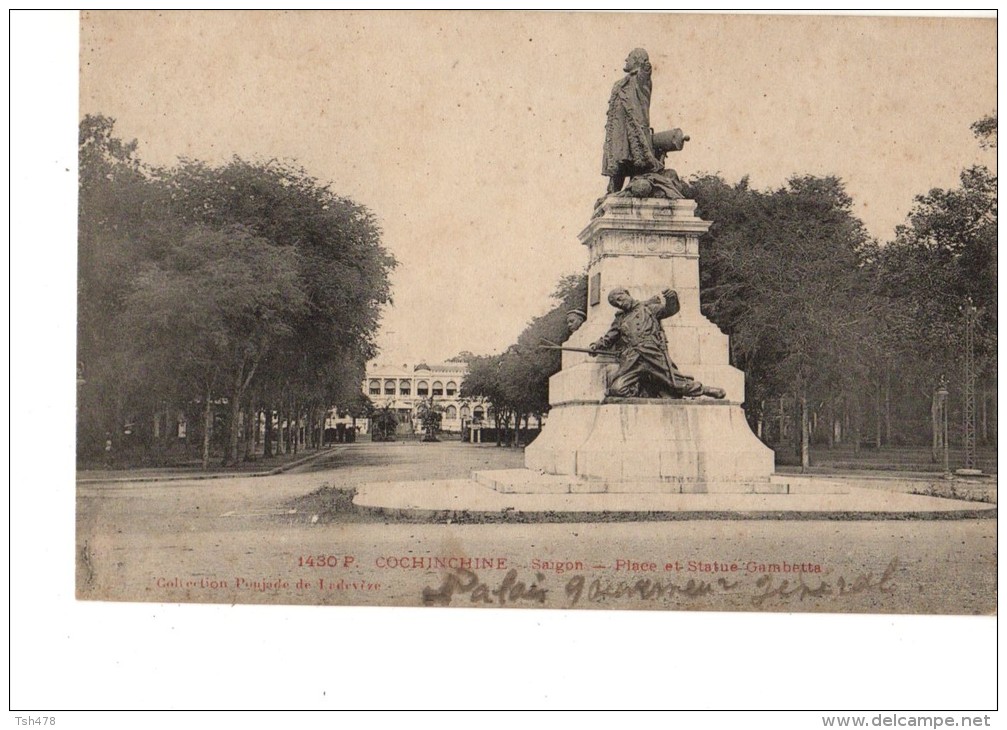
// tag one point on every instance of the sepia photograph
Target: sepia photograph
(633, 312)
(512, 312)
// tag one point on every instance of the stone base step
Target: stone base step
(526, 481)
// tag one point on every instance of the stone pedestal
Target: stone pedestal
(594, 444)
(642, 445)
(646, 245)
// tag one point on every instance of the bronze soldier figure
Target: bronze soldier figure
(645, 370)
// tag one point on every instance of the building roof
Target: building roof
(409, 370)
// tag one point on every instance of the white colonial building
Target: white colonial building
(403, 386)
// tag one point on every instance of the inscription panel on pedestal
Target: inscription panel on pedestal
(594, 289)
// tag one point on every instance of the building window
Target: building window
(422, 389)
(405, 388)
(451, 413)
(465, 412)
(389, 387)
(438, 388)
(375, 387)
(477, 414)
(451, 389)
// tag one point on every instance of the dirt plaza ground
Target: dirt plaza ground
(296, 538)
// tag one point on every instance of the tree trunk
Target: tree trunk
(888, 407)
(288, 435)
(935, 429)
(856, 425)
(878, 417)
(780, 435)
(797, 415)
(280, 437)
(118, 417)
(258, 427)
(830, 418)
(278, 430)
(232, 451)
(267, 438)
(159, 436)
(309, 426)
(248, 432)
(846, 418)
(242, 380)
(207, 428)
(805, 455)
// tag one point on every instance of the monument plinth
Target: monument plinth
(646, 412)
(645, 245)
(600, 443)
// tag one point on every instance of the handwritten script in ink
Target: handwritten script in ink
(579, 589)
(467, 583)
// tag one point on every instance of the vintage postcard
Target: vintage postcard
(538, 310)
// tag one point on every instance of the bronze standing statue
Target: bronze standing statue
(645, 370)
(629, 146)
(632, 150)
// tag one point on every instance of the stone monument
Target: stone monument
(646, 400)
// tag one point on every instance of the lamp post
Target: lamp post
(970, 467)
(942, 405)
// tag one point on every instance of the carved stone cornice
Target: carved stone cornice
(651, 215)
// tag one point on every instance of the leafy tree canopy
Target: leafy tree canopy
(254, 272)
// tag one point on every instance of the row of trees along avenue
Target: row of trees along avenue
(219, 294)
(841, 337)
(516, 382)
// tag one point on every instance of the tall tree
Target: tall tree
(214, 308)
(781, 273)
(117, 231)
(941, 260)
(216, 233)
(516, 382)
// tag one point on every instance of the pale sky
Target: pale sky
(476, 137)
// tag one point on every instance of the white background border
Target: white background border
(67, 654)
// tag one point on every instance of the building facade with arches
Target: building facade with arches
(403, 385)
